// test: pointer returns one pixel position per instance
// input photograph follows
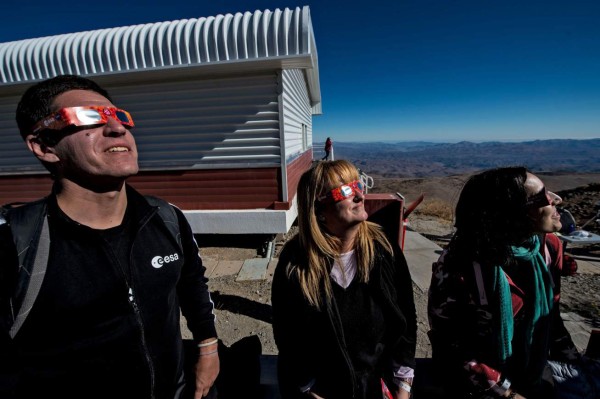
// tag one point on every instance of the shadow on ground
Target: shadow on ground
(239, 305)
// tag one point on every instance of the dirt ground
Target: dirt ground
(243, 308)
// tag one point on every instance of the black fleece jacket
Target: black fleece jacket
(106, 326)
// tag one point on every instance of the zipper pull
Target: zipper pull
(130, 294)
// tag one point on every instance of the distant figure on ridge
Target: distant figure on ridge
(328, 148)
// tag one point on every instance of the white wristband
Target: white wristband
(208, 343)
(501, 387)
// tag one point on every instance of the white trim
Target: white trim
(282, 144)
(243, 221)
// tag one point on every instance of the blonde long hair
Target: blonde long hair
(319, 247)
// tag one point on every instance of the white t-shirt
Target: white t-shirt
(344, 274)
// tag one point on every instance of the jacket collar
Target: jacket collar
(138, 208)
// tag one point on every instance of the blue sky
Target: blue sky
(408, 70)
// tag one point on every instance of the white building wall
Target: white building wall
(221, 122)
(14, 155)
(296, 113)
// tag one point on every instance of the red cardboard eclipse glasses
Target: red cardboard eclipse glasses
(82, 116)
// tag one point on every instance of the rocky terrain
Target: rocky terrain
(581, 293)
(243, 308)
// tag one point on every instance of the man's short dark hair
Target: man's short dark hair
(36, 102)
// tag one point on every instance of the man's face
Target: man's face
(96, 154)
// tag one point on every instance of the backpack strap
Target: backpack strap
(29, 227)
(36, 277)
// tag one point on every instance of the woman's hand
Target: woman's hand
(314, 395)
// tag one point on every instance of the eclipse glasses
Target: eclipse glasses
(543, 198)
(344, 191)
(82, 117)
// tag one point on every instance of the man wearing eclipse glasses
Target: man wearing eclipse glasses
(93, 276)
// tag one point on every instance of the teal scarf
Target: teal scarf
(527, 255)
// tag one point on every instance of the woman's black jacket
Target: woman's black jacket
(311, 351)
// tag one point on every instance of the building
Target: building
(223, 109)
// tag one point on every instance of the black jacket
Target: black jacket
(310, 348)
(107, 324)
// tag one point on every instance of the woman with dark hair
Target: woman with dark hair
(344, 317)
(493, 299)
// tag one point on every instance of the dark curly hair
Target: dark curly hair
(491, 216)
(36, 102)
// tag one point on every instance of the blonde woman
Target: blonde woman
(344, 318)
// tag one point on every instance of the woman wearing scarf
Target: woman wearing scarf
(493, 299)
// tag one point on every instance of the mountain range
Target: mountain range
(426, 159)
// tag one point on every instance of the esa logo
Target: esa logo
(159, 261)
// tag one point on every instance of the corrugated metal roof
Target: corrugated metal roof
(262, 35)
